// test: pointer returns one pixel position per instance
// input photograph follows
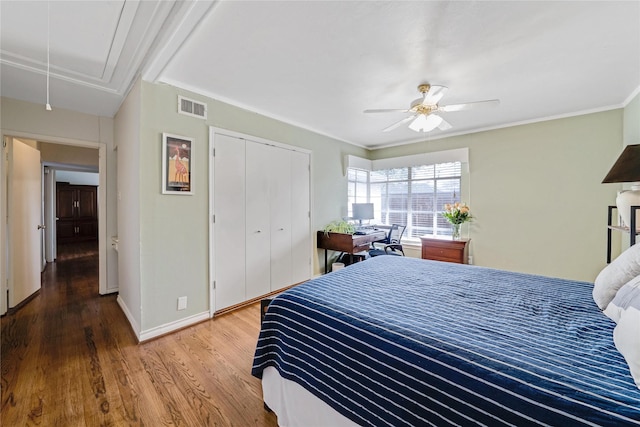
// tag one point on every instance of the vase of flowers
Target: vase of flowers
(457, 214)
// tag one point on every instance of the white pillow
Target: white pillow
(627, 296)
(626, 336)
(615, 275)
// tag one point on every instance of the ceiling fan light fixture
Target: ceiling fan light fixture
(419, 123)
(424, 123)
(424, 117)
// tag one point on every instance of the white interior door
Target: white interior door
(25, 221)
(258, 220)
(229, 226)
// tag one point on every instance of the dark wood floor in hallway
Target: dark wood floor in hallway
(69, 358)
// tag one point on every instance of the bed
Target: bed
(406, 342)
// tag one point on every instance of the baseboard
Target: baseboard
(132, 321)
(173, 326)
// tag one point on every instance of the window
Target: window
(358, 191)
(413, 196)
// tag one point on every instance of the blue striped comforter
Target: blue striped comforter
(396, 341)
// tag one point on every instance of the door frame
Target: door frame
(102, 207)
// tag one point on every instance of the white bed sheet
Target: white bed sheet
(297, 407)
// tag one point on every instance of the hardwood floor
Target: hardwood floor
(69, 358)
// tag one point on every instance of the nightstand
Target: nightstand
(445, 249)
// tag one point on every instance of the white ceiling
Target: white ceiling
(319, 64)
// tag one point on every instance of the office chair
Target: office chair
(392, 244)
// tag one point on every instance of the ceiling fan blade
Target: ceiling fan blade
(468, 105)
(434, 95)
(444, 125)
(387, 110)
(401, 122)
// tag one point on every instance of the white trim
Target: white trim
(270, 115)
(449, 156)
(191, 15)
(502, 126)
(631, 96)
(357, 163)
(102, 221)
(254, 138)
(7, 60)
(173, 326)
(436, 157)
(125, 21)
(212, 257)
(4, 241)
(129, 316)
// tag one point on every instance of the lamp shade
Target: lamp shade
(627, 167)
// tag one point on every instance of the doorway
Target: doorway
(7, 285)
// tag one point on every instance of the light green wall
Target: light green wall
(632, 121)
(174, 228)
(536, 193)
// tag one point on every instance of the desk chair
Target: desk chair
(392, 244)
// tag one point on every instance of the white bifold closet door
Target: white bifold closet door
(301, 239)
(262, 219)
(229, 226)
(280, 210)
(258, 252)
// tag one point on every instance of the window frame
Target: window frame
(438, 225)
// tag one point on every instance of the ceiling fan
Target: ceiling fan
(423, 110)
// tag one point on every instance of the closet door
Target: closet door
(65, 213)
(229, 226)
(87, 202)
(258, 237)
(76, 213)
(300, 217)
(280, 209)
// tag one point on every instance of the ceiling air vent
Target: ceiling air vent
(192, 108)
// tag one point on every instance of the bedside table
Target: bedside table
(445, 249)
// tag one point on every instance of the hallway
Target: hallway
(69, 358)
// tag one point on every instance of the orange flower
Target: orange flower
(457, 213)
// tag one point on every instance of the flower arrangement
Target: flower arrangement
(456, 214)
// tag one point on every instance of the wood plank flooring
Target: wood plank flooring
(69, 358)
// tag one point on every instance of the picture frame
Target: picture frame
(177, 164)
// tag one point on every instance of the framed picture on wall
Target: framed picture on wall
(177, 161)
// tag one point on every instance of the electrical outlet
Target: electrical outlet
(182, 303)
